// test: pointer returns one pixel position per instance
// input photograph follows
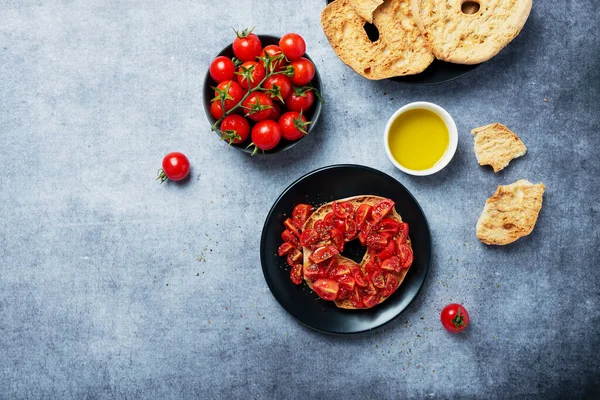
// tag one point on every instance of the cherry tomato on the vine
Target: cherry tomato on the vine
(216, 110)
(222, 69)
(454, 317)
(253, 70)
(234, 93)
(258, 106)
(292, 45)
(266, 134)
(235, 129)
(175, 166)
(275, 52)
(300, 100)
(304, 71)
(278, 87)
(293, 125)
(246, 46)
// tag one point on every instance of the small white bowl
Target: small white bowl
(452, 131)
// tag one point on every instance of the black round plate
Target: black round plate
(437, 72)
(321, 186)
(312, 114)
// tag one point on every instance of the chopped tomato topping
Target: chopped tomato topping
(378, 241)
(326, 289)
(378, 279)
(403, 234)
(300, 214)
(296, 274)
(285, 248)
(406, 255)
(362, 214)
(289, 237)
(314, 272)
(309, 237)
(323, 253)
(388, 225)
(294, 257)
(338, 238)
(389, 251)
(391, 284)
(392, 264)
(382, 209)
(289, 224)
(343, 210)
(346, 282)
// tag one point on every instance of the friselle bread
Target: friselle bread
(496, 145)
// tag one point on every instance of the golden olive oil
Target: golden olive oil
(418, 139)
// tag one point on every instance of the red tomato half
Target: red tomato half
(382, 209)
(300, 214)
(323, 253)
(327, 289)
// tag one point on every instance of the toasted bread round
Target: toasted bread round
(473, 36)
(325, 209)
(400, 49)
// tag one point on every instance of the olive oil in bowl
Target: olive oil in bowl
(418, 139)
(421, 138)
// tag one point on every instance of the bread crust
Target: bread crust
(496, 145)
(400, 49)
(366, 8)
(456, 37)
(510, 213)
(356, 201)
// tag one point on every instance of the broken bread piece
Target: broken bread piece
(400, 50)
(366, 8)
(496, 145)
(510, 213)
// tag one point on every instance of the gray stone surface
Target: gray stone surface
(114, 286)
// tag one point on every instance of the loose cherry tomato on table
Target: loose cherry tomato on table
(246, 46)
(293, 125)
(454, 317)
(258, 106)
(175, 166)
(265, 135)
(235, 129)
(229, 91)
(292, 45)
(304, 71)
(301, 99)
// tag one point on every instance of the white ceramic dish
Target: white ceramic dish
(452, 132)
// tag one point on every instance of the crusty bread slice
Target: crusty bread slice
(496, 145)
(464, 38)
(400, 49)
(510, 213)
(325, 209)
(366, 8)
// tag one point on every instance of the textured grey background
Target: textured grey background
(114, 286)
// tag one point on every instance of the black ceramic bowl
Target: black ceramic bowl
(321, 186)
(312, 114)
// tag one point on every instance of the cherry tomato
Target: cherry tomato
(309, 237)
(378, 279)
(289, 237)
(266, 134)
(378, 241)
(346, 282)
(455, 318)
(254, 70)
(222, 69)
(300, 214)
(371, 300)
(403, 234)
(389, 251)
(359, 277)
(293, 125)
(339, 270)
(289, 224)
(355, 298)
(285, 248)
(382, 209)
(338, 238)
(340, 224)
(350, 230)
(258, 106)
(275, 52)
(314, 272)
(246, 46)
(392, 264)
(323, 253)
(327, 289)
(405, 254)
(216, 110)
(175, 166)
(388, 225)
(300, 100)
(365, 232)
(362, 214)
(278, 87)
(294, 257)
(296, 274)
(235, 129)
(304, 72)
(275, 112)
(391, 284)
(343, 210)
(233, 91)
(322, 229)
(292, 45)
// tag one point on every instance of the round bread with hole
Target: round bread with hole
(469, 32)
(399, 50)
